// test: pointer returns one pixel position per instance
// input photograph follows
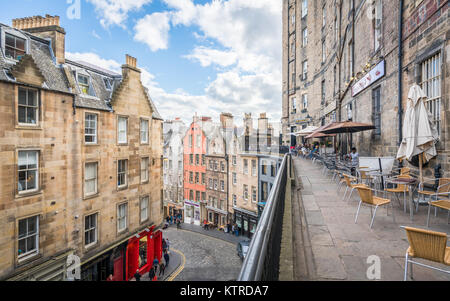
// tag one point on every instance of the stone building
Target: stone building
(362, 45)
(36, 181)
(216, 177)
(194, 167)
(174, 132)
(87, 153)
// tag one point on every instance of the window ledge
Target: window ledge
(28, 194)
(91, 246)
(92, 196)
(31, 127)
(27, 260)
(91, 144)
(121, 188)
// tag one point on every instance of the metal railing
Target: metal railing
(263, 258)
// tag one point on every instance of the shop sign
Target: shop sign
(370, 78)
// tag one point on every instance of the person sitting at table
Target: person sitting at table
(354, 157)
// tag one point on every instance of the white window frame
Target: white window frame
(95, 122)
(28, 107)
(144, 131)
(95, 229)
(15, 36)
(254, 194)
(222, 185)
(431, 84)
(121, 130)
(234, 176)
(378, 24)
(305, 70)
(94, 179)
(144, 201)
(120, 218)
(27, 170)
(304, 8)
(145, 169)
(35, 251)
(124, 173)
(246, 192)
(245, 164)
(305, 37)
(83, 85)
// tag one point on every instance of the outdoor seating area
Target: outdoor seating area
(389, 188)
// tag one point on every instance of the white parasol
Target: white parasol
(419, 133)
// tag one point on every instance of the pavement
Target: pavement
(212, 233)
(175, 261)
(204, 257)
(328, 245)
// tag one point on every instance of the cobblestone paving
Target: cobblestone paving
(207, 258)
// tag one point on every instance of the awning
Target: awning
(247, 212)
(217, 210)
(318, 133)
(307, 131)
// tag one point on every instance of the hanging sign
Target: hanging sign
(370, 78)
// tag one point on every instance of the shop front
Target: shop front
(216, 216)
(246, 222)
(124, 258)
(142, 249)
(192, 212)
(174, 210)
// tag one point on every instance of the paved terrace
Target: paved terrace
(328, 245)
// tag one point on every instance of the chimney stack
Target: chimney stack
(47, 28)
(226, 119)
(130, 64)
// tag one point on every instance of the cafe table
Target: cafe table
(412, 183)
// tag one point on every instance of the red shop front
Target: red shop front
(142, 249)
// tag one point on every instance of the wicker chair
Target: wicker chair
(443, 190)
(367, 197)
(402, 188)
(440, 204)
(351, 183)
(428, 245)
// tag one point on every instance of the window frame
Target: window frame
(28, 255)
(119, 142)
(147, 179)
(143, 198)
(15, 36)
(87, 195)
(37, 171)
(27, 106)
(95, 142)
(125, 173)
(147, 141)
(90, 245)
(119, 230)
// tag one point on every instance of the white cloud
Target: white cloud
(115, 12)
(207, 56)
(96, 35)
(153, 30)
(95, 59)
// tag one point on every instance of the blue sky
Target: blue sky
(202, 56)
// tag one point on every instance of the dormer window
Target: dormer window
(14, 47)
(83, 83)
(108, 83)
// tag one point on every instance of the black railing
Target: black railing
(263, 258)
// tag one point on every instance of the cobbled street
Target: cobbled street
(207, 258)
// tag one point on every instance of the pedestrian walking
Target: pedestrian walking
(166, 258)
(152, 274)
(164, 245)
(168, 245)
(137, 276)
(178, 224)
(155, 264)
(162, 268)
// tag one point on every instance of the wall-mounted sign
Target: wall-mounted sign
(370, 78)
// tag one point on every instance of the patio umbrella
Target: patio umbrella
(307, 131)
(347, 127)
(419, 133)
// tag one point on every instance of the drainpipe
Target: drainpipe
(400, 73)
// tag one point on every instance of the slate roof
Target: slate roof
(58, 80)
(40, 51)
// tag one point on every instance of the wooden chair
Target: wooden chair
(440, 204)
(401, 188)
(367, 197)
(364, 176)
(428, 245)
(443, 190)
(351, 183)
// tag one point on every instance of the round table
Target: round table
(412, 182)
